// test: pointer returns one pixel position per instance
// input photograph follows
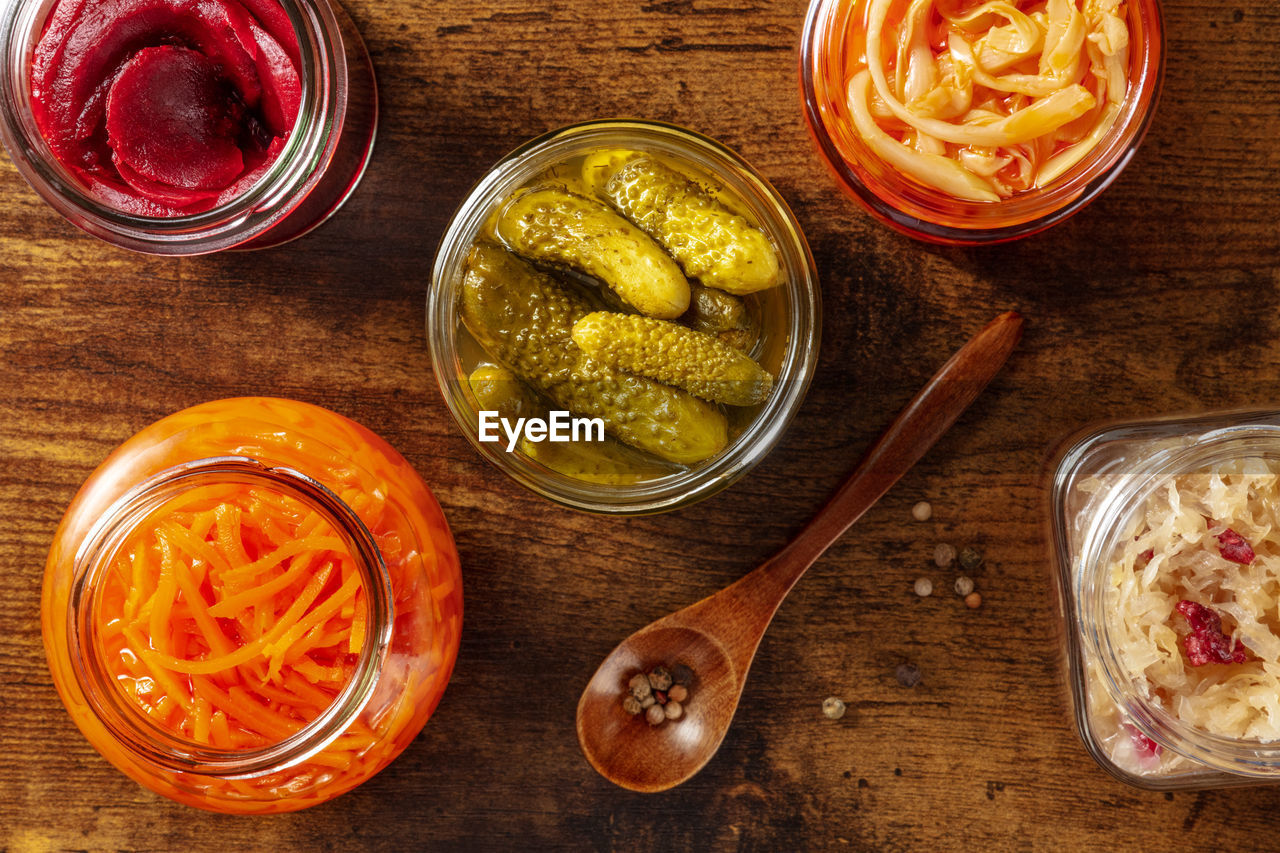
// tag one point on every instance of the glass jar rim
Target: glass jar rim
(904, 207)
(804, 323)
(135, 731)
(1237, 756)
(246, 215)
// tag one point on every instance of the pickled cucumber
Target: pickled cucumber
(606, 462)
(711, 243)
(724, 316)
(674, 354)
(499, 390)
(553, 226)
(599, 166)
(743, 340)
(523, 318)
(713, 311)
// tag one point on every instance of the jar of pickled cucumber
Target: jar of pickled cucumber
(623, 316)
(252, 605)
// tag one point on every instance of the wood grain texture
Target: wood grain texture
(1160, 297)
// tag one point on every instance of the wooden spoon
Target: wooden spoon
(717, 637)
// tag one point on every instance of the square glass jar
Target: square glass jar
(1102, 479)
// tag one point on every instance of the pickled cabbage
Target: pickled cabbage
(1177, 548)
(984, 100)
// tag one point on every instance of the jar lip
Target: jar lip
(906, 207)
(803, 325)
(251, 212)
(1205, 440)
(131, 728)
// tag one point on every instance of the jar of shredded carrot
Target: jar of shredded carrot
(253, 605)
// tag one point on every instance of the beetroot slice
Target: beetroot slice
(174, 198)
(275, 20)
(87, 41)
(281, 86)
(173, 119)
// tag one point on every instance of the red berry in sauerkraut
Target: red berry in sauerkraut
(1194, 584)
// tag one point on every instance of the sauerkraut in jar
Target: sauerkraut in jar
(1193, 604)
(1167, 545)
(983, 100)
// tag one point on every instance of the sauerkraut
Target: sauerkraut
(1209, 539)
(982, 100)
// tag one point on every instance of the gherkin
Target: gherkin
(711, 243)
(601, 165)
(712, 310)
(724, 316)
(674, 354)
(559, 228)
(499, 390)
(608, 463)
(523, 318)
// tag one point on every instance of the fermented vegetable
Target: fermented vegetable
(985, 100)
(1193, 608)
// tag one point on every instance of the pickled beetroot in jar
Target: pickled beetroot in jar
(166, 107)
(184, 127)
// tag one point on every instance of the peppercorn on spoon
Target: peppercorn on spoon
(718, 636)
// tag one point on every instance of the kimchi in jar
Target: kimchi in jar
(253, 605)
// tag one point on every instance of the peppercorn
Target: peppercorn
(681, 674)
(924, 587)
(648, 701)
(655, 715)
(677, 693)
(639, 685)
(908, 674)
(973, 600)
(659, 678)
(943, 554)
(673, 710)
(964, 586)
(922, 511)
(969, 559)
(832, 708)
(632, 705)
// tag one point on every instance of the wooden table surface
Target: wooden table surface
(1160, 297)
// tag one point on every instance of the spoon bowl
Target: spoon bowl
(648, 757)
(718, 636)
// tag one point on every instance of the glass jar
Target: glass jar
(212, 686)
(929, 214)
(318, 168)
(789, 316)
(1104, 495)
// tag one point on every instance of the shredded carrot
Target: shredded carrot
(234, 614)
(228, 662)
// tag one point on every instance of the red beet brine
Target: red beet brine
(166, 107)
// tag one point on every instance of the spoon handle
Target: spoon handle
(924, 420)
